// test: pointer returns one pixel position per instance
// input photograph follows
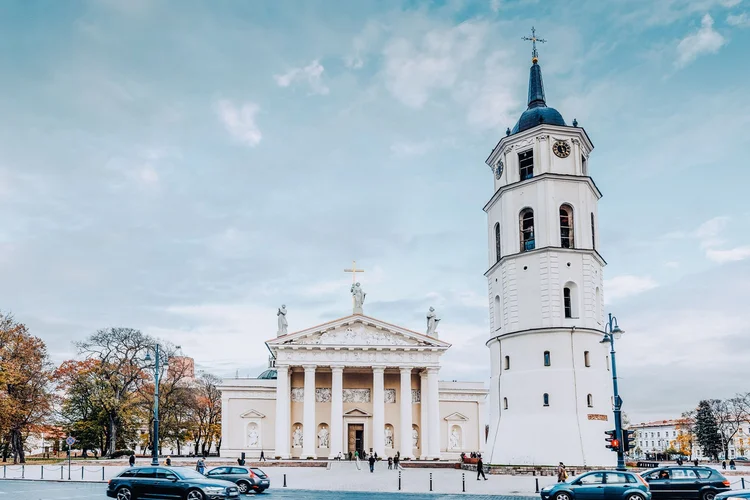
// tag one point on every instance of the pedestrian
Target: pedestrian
(732, 465)
(372, 462)
(376, 455)
(396, 460)
(695, 462)
(480, 468)
(168, 461)
(390, 463)
(724, 464)
(131, 460)
(562, 474)
(356, 454)
(200, 466)
(262, 456)
(338, 457)
(350, 456)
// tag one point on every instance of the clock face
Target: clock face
(561, 149)
(499, 168)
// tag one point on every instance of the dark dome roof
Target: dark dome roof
(536, 116)
(268, 375)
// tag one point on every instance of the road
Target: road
(49, 490)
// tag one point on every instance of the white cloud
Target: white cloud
(407, 148)
(492, 101)
(311, 74)
(361, 45)
(414, 70)
(626, 286)
(742, 20)
(708, 232)
(495, 6)
(240, 121)
(704, 41)
(731, 255)
(148, 175)
(730, 3)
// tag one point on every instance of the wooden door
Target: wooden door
(353, 432)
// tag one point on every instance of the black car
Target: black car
(701, 483)
(169, 482)
(247, 478)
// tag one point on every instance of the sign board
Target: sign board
(595, 416)
(70, 440)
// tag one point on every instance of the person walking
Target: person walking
(168, 461)
(371, 460)
(480, 468)
(724, 464)
(390, 463)
(695, 462)
(562, 474)
(200, 466)
(131, 460)
(262, 456)
(396, 460)
(732, 465)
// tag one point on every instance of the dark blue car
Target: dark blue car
(169, 482)
(599, 485)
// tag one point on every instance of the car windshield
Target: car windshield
(189, 474)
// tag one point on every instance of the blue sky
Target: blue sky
(186, 167)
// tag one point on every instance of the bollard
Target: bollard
(285, 480)
(399, 480)
(102, 473)
(4, 466)
(61, 472)
(23, 471)
(82, 469)
(537, 485)
(743, 483)
(430, 481)
(42, 472)
(463, 482)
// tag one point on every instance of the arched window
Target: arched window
(590, 401)
(526, 222)
(507, 363)
(546, 358)
(567, 303)
(505, 403)
(546, 399)
(498, 313)
(526, 164)
(586, 360)
(570, 300)
(593, 232)
(498, 254)
(566, 226)
(584, 166)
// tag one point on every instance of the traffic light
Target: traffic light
(612, 442)
(628, 440)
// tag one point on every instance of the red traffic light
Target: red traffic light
(615, 443)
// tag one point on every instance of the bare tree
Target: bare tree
(729, 415)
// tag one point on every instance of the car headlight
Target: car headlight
(214, 490)
(547, 488)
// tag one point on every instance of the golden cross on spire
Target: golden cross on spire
(354, 271)
(533, 39)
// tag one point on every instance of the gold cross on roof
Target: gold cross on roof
(533, 39)
(354, 271)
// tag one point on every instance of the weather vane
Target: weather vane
(533, 40)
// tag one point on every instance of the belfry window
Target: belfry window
(526, 164)
(497, 242)
(593, 232)
(584, 166)
(526, 223)
(568, 303)
(566, 226)
(546, 358)
(546, 399)
(586, 360)
(506, 366)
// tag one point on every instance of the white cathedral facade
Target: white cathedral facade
(550, 386)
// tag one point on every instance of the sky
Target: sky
(186, 167)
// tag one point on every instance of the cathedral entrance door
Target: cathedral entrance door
(356, 434)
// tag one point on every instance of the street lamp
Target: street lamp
(612, 332)
(157, 363)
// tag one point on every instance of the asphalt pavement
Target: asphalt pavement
(52, 490)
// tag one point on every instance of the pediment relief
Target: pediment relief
(357, 334)
(457, 417)
(252, 414)
(356, 412)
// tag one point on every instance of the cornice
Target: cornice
(543, 176)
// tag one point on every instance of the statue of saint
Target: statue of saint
(282, 321)
(388, 437)
(414, 438)
(432, 322)
(323, 437)
(297, 438)
(359, 297)
(252, 437)
(454, 439)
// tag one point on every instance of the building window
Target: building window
(505, 403)
(566, 301)
(498, 313)
(507, 363)
(590, 401)
(593, 232)
(526, 221)
(570, 300)
(546, 399)
(526, 164)
(584, 165)
(586, 360)
(497, 242)
(546, 358)
(566, 226)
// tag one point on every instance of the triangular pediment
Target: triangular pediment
(356, 412)
(360, 331)
(453, 417)
(252, 414)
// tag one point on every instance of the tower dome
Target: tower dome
(537, 111)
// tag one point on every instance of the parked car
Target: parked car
(701, 483)
(247, 478)
(740, 459)
(739, 494)
(169, 482)
(599, 485)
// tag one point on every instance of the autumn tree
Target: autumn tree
(26, 398)
(206, 426)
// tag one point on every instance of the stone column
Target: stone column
(309, 433)
(424, 438)
(337, 411)
(378, 411)
(433, 410)
(283, 427)
(404, 435)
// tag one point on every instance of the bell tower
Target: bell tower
(549, 389)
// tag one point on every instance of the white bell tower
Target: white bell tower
(550, 388)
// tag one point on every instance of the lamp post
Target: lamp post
(612, 331)
(155, 442)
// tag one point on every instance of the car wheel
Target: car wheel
(708, 495)
(635, 496)
(244, 487)
(195, 495)
(125, 493)
(563, 495)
